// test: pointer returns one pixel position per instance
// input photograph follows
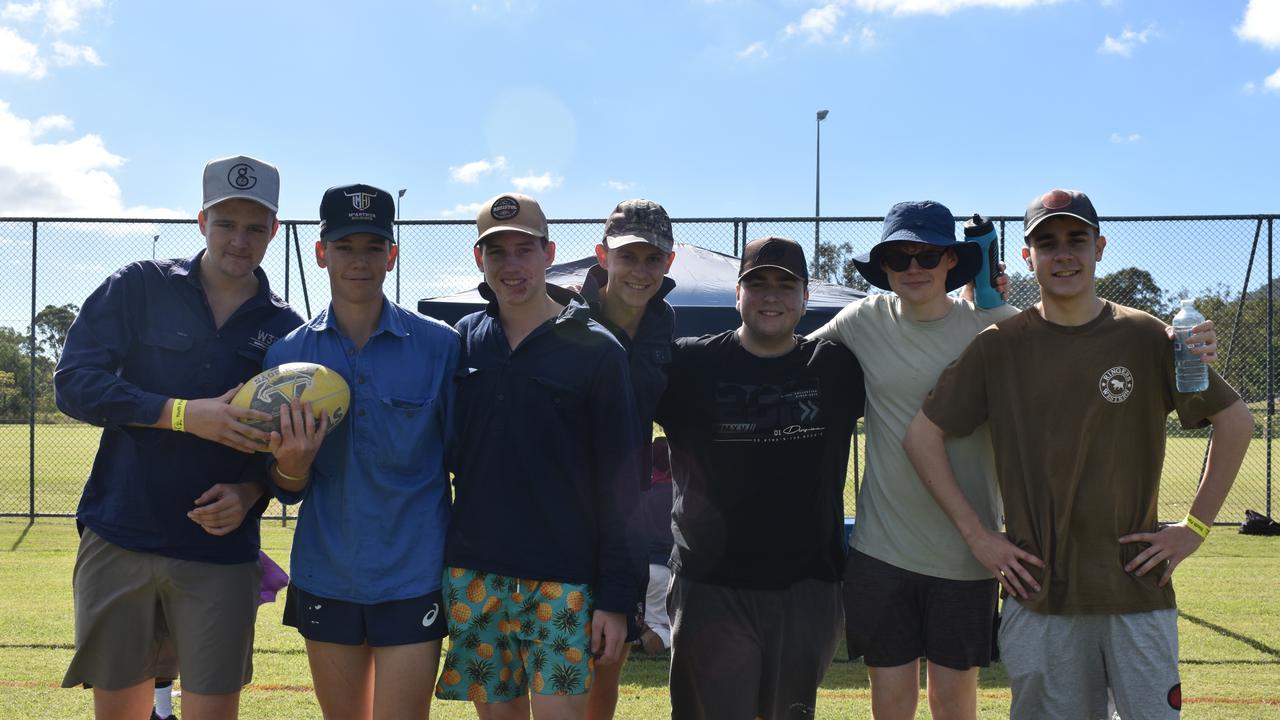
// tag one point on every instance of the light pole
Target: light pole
(817, 190)
(399, 250)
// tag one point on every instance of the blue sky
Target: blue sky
(111, 108)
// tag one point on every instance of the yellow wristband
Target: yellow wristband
(286, 476)
(178, 420)
(1196, 526)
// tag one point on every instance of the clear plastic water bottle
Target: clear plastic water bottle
(1191, 373)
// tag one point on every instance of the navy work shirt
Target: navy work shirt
(648, 353)
(545, 459)
(144, 336)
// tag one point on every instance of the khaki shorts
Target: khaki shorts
(141, 616)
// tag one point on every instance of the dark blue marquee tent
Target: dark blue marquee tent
(703, 296)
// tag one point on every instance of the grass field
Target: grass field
(64, 454)
(1229, 599)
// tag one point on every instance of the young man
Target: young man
(152, 587)
(911, 587)
(1076, 390)
(759, 422)
(543, 558)
(369, 550)
(625, 292)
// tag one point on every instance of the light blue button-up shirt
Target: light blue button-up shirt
(373, 523)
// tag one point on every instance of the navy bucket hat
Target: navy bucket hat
(921, 221)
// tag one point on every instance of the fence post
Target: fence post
(1271, 398)
(31, 426)
(302, 276)
(286, 263)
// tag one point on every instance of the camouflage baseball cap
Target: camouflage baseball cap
(639, 220)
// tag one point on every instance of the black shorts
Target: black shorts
(894, 616)
(398, 622)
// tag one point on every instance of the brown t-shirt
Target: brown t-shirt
(1078, 426)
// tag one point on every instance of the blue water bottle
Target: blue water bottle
(978, 229)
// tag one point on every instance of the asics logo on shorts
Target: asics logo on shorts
(429, 619)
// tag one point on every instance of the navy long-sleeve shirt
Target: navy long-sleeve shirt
(545, 455)
(145, 335)
(648, 353)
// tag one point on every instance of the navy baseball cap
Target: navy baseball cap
(921, 221)
(350, 209)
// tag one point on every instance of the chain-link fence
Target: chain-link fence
(1224, 262)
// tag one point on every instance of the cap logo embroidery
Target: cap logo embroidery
(361, 200)
(1055, 200)
(504, 208)
(241, 176)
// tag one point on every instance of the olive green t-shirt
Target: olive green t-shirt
(898, 520)
(1077, 417)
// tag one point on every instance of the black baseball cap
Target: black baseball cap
(350, 209)
(774, 252)
(1058, 202)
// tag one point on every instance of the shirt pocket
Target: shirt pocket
(164, 362)
(561, 405)
(403, 429)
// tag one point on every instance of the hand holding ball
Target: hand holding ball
(307, 382)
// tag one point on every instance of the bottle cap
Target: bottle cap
(977, 226)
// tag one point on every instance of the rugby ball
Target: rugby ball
(268, 390)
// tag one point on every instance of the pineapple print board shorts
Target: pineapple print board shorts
(510, 635)
(396, 622)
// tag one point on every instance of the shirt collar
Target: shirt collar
(597, 277)
(189, 269)
(389, 322)
(575, 306)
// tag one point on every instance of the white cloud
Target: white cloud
(1124, 44)
(470, 173)
(64, 178)
(619, 185)
(755, 50)
(1120, 139)
(67, 54)
(51, 122)
(817, 24)
(64, 15)
(467, 210)
(1272, 82)
(17, 12)
(537, 183)
(1261, 23)
(941, 7)
(19, 57)
(1250, 88)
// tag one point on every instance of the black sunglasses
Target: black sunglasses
(899, 261)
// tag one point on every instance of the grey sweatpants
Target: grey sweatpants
(1061, 666)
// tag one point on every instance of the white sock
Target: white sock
(164, 701)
